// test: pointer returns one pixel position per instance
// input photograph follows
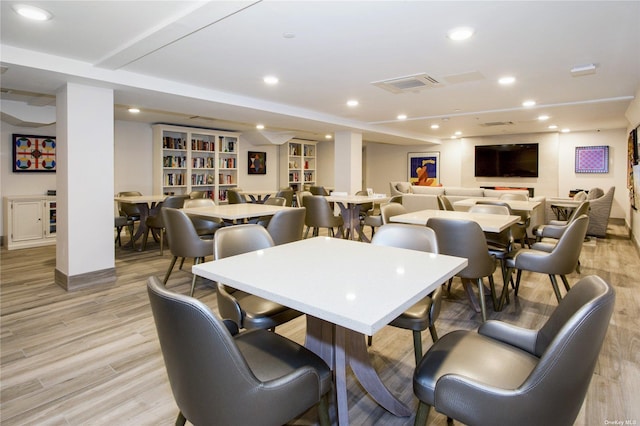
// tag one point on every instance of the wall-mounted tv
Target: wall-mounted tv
(509, 160)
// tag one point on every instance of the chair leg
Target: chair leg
(181, 420)
(556, 290)
(306, 232)
(161, 241)
(494, 299)
(417, 346)
(434, 333)
(166, 277)
(118, 240)
(323, 411)
(483, 304)
(565, 282)
(369, 340)
(422, 414)
(181, 263)
(193, 280)
(515, 292)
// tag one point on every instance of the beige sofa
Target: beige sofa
(416, 198)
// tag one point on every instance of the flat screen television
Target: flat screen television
(509, 160)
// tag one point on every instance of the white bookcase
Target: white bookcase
(298, 164)
(30, 221)
(189, 159)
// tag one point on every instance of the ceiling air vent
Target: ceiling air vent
(409, 83)
(497, 123)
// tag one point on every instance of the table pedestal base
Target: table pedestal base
(339, 346)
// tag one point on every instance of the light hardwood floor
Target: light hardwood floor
(91, 357)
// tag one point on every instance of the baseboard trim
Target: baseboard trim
(84, 281)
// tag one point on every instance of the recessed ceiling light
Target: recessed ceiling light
(288, 34)
(328, 136)
(528, 104)
(352, 103)
(435, 126)
(260, 126)
(134, 110)
(543, 117)
(552, 127)
(32, 12)
(270, 79)
(458, 133)
(565, 130)
(460, 33)
(506, 80)
(402, 117)
(454, 137)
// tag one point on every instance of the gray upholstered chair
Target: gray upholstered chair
(518, 230)
(128, 210)
(300, 195)
(513, 196)
(197, 194)
(184, 241)
(287, 194)
(444, 203)
(220, 376)
(319, 215)
(369, 214)
(119, 223)
(247, 310)
(155, 222)
(562, 260)
(499, 243)
(600, 209)
(464, 238)
(318, 190)
(235, 196)
(271, 201)
(423, 314)
(286, 226)
(205, 228)
(388, 210)
(507, 375)
(555, 228)
(396, 199)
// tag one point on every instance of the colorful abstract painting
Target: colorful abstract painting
(424, 168)
(34, 153)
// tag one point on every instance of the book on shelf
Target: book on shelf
(169, 142)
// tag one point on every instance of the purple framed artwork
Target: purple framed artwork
(592, 159)
(34, 153)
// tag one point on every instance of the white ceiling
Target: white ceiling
(177, 60)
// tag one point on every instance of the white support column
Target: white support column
(348, 162)
(85, 168)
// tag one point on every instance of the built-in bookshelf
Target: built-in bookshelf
(298, 164)
(189, 159)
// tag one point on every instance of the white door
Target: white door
(26, 220)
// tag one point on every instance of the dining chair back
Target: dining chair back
(286, 226)
(388, 210)
(155, 222)
(129, 210)
(300, 195)
(562, 260)
(247, 310)
(287, 194)
(507, 375)
(183, 240)
(555, 228)
(424, 313)
(518, 230)
(206, 228)
(318, 190)
(235, 196)
(319, 215)
(220, 376)
(513, 196)
(464, 238)
(444, 203)
(197, 194)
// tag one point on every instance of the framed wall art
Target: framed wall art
(34, 153)
(592, 159)
(257, 163)
(424, 168)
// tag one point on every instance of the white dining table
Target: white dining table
(145, 204)
(488, 222)
(516, 205)
(234, 212)
(343, 303)
(350, 211)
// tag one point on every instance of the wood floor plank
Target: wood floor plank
(92, 356)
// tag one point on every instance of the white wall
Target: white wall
(557, 175)
(133, 147)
